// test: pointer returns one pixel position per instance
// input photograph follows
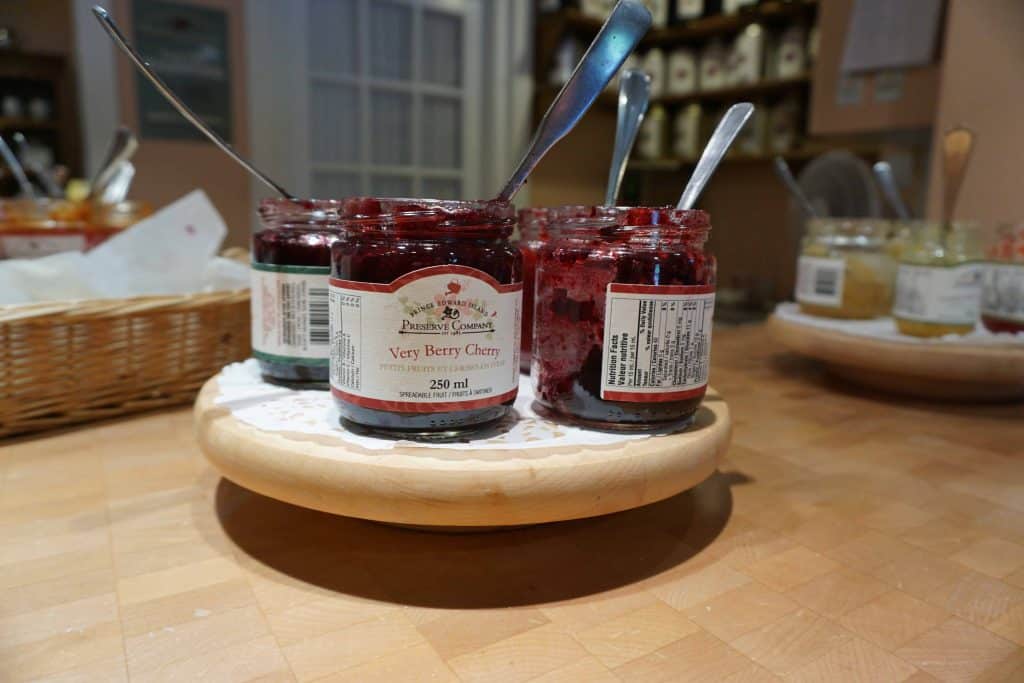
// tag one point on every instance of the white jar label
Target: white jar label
(1004, 292)
(38, 245)
(437, 339)
(289, 314)
(949, 295)
(657, 342)
(819, 281)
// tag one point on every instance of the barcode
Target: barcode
(290, 293)
(319, 316)
(825, 282)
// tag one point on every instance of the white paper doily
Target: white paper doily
(273, 408)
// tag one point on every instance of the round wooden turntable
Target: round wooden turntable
(286, 445)
(931, 369)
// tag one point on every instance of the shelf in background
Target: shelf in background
(698, 29)
(738, 93)
(795, 155)
(24, 124)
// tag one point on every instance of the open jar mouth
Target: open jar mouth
(296, 212)
(414, 217)
(635, 226)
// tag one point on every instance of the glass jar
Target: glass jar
(536, 227)
(939, 281)
(291, 262)
(426, 311)
(35, 228)
(622, 327)
(119, 215)
(1002, 305)
(844, 270)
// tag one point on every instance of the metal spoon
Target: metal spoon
(956, 152)
(634, 95)
(115, 34)
(122, 147)
(887, 181)
(44, 176)
(622, 31)
(782, 170)
(727, 130)
(16, 168)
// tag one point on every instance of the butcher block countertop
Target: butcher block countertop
(847, 536)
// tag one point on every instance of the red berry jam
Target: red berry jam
(622, 325)
(1002, 306)
(535, 231)
(426, 308)
(291, 263)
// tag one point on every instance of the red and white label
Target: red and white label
(657, 342)
(437, 339)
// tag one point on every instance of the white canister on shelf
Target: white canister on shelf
(746, 59)
(734, 6)
(792, 53)
(654, 65)
(686, 132)
(659, 12)
(784, 125)
(598, 9)
(712, 66)
(681, 78)
(687, 10)
(651, 138)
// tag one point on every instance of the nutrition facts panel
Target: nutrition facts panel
(657, 341)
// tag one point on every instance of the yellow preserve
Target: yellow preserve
(939, 281)
(844, 269)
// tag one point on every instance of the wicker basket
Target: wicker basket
(70, 362)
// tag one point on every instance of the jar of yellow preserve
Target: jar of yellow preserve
(939, 281)
(844, 269)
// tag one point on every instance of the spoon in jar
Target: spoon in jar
(887, 181)
(956, 152)
(634, 95)
(727, 130)
(122, 147)
(786, 176)
(17, 170)
(115, 34)
(622, 31)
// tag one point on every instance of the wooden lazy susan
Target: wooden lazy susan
(288, 445)
(980, 367)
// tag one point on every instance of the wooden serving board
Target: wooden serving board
(442, 487)
(948, 372)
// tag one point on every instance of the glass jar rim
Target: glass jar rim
(313, 210)
(666, 219)
(424, 218)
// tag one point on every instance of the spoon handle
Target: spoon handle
(17, 169)
(111, 28)
(786, 176)
(628, 22)
(727, 130)
(887, 181)
(634, 95)
(956, 152)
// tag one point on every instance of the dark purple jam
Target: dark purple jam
(391, 238)
(641, 246)
(291, 260)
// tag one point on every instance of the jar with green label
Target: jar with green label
(939, 281)
(844, 269)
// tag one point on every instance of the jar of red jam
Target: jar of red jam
(291, 262)
(535, 230)
(1002, 305)
(426, 311)
(622, 326)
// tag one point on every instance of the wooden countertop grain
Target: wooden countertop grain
(848, 536)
